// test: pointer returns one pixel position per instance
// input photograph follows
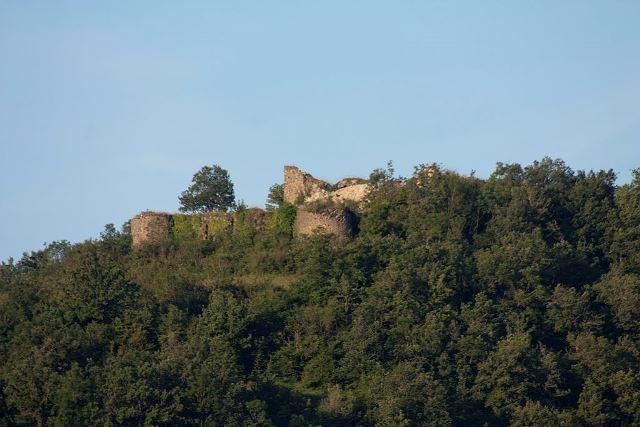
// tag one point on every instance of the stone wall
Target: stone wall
(353, 193)
(300, 188)
(305, 191)
(347, 182)
(150, 228)
(293, 184)
(341, 223)
(299, 184)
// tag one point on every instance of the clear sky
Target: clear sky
(109, 107)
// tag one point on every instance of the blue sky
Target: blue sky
(108, 108)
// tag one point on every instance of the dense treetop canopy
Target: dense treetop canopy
(461, 301)
(211, 190)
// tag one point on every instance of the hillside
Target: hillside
(513, 300)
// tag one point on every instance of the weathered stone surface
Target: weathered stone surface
(157, 227)
(354, 193)
(340, 223)
(150, 228)
(300, 188)
(347, 182)
(301, 185)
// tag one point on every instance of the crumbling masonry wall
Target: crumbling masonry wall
(303, 190)
(300, 185)
(340, 223)
(300, 189)
(150, 228)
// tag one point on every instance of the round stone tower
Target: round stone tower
(150, 228)
(340, 222)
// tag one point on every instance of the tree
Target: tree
(275, 197)
(508, 301)
(379, 175)
(211, 189)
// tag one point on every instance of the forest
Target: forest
(509, 300)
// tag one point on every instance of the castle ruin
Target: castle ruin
(150, 228)
(321, 207)
(300, 187)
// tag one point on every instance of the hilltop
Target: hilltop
(447, 300)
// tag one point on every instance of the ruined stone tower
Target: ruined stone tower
(308, 193)
(299, 186)
(150, 228)
(339, 222)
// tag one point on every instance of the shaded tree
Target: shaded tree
(211, 189)
(275, 198)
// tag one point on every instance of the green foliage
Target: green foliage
(275, 197)
(186, 227)
(211, 190)
(508, 301)
(379, 176)
(282, 219)
(216, 225)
